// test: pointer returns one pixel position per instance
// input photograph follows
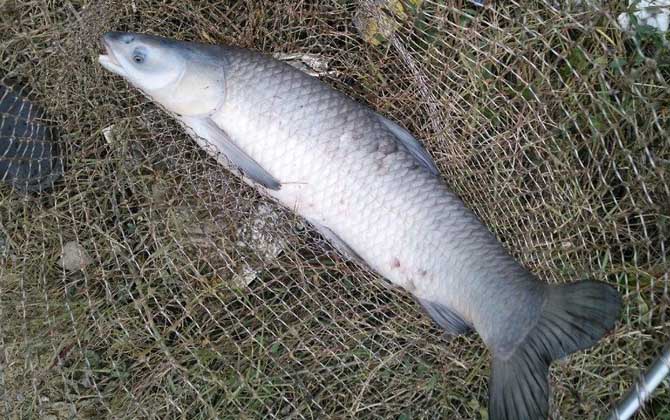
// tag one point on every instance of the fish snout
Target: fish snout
(111, 41)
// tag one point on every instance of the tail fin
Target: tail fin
(575, 316)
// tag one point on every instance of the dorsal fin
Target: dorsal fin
(411, 143)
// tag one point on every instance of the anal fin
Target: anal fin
(450, 322)
(338, 243)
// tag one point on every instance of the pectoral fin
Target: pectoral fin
(207, 129)
(411, 143)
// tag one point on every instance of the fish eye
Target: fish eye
(139, 56)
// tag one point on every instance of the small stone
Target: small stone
(74, 257)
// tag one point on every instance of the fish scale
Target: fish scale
(376, 225)
(371, 189)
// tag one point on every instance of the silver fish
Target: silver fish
(370, 187)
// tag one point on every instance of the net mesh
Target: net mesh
(150, 283)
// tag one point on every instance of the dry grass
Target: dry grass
(549, 122)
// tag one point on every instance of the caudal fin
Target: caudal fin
(575, 316)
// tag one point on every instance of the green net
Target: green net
(150, 283)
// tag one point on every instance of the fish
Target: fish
(369, 187)
(30, 156)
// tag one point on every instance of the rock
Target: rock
(74, 257)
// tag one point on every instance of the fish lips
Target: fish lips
(109, 60)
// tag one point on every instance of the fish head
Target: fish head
(184, 77)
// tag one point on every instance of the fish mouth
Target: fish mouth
(109, 60)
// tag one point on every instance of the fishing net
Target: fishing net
(150, 283)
